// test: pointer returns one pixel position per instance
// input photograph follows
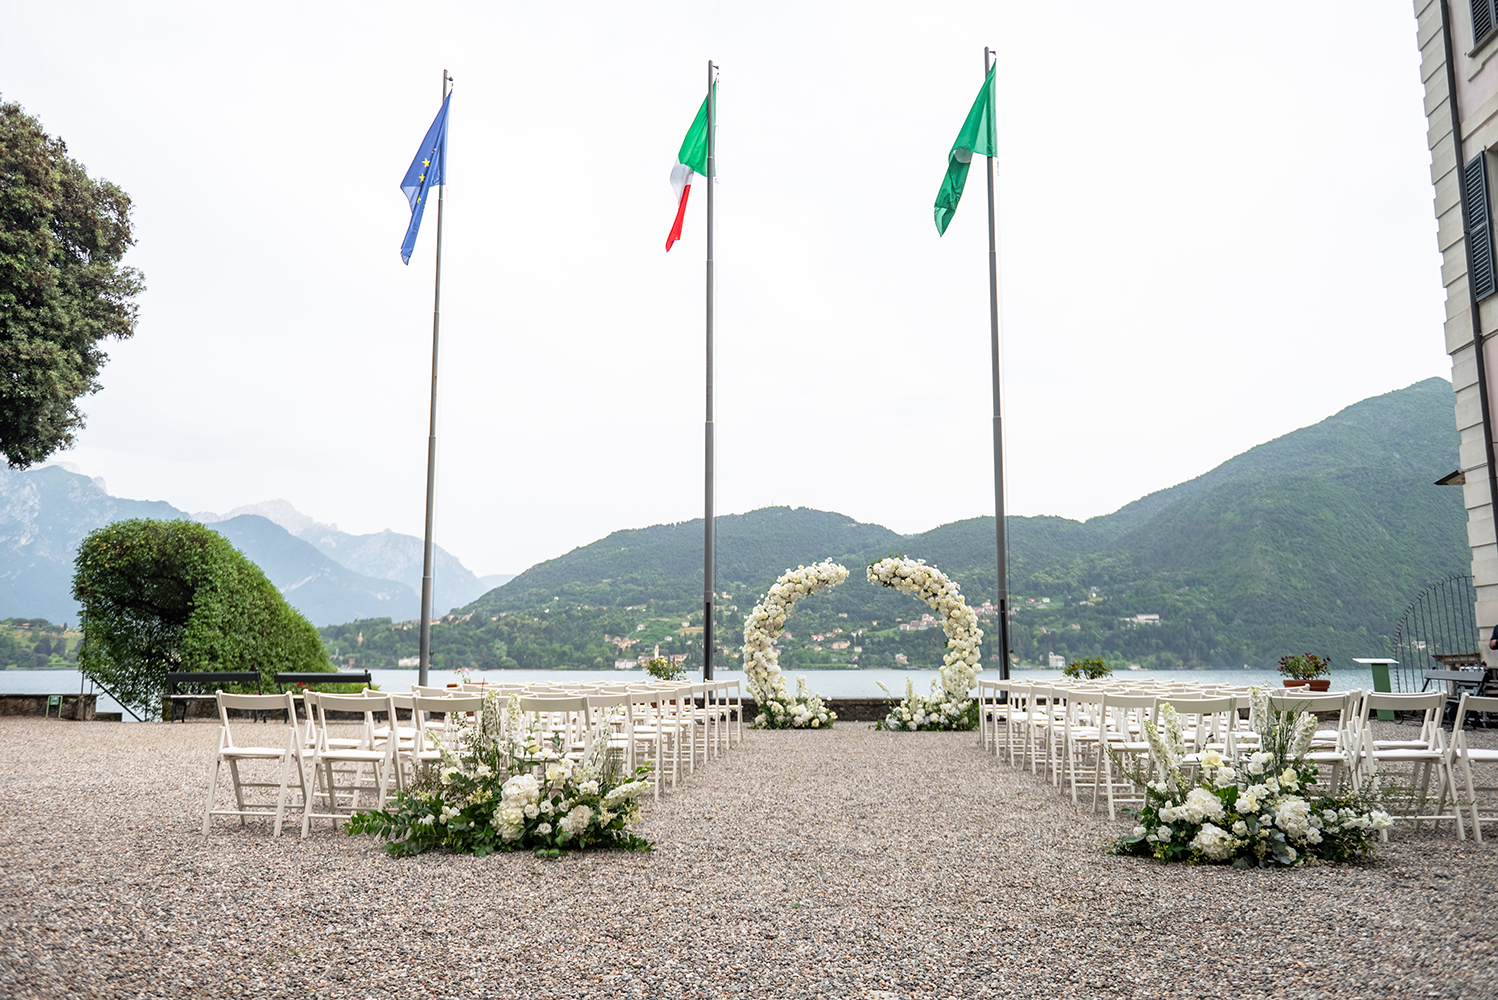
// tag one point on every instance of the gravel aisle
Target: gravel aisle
(841, 863)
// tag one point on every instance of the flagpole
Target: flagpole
(709, 526)
(998, 411)
(424, 654)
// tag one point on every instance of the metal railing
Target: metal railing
(1438, 630)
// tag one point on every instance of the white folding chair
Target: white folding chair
(289, 755)
(430, 731)
(1081, 738)
(1123, 719)
(1407, 802)
(1017, 695)
(338, 772)
(1039, 728)
(563, 724)
(1205, 724)
(1465, 757)
(647, 739)
(1334, 748)
(733, 703)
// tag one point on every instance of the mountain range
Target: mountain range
(328, 575)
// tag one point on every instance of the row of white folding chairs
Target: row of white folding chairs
(670, 724)
(717, 704)
(657, 724)
(330, 773)
(1022, 720)
(693, 719)
(335, 771)
(1065, 727)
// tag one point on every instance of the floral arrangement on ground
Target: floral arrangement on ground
(498, 785)
(1261, 811)
(778, 708)
(948, 706)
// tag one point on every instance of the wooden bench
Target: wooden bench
(199, 679)
(314, 678)
(329, 677)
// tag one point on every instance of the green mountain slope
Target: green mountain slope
(662, 565)
(1409, 431)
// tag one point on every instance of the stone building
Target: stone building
(1458, 42)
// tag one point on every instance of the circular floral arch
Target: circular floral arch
(946, 707)
(778, 708)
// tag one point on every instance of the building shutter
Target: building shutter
(1479, 226)
(1483, 20)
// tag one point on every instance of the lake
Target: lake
(827, 683)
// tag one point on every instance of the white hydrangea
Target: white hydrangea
(1201, 805)
(575, 823)
(1293, 815)
(1215, 842)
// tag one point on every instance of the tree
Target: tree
(175, 595)
(62, 288)
(1091, 667)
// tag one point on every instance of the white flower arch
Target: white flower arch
(948, 707)
(778, 709)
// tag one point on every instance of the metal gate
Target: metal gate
(1438, 630)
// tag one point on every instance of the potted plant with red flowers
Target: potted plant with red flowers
(1307, 670)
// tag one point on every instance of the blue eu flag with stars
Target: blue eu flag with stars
(425, 173)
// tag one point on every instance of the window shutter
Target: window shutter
(1483, 20)
(1479, 226)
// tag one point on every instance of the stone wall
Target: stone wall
(78, 707)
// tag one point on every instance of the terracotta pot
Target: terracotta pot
(1319, 684)
(1291, 682)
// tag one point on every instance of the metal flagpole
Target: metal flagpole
(998, 411)
(424, 656)
(709, 584)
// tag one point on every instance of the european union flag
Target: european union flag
(426, 172)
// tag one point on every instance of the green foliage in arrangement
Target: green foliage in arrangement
(162, 596)
(1089, 667)
(62, 288)
(499, 786)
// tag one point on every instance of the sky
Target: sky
(1215, 227)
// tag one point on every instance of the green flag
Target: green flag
(694, 147)
(975, 139)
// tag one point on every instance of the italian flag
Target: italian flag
(690, 161)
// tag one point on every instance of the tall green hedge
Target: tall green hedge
(175, 595)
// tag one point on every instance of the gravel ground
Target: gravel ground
(835, 863)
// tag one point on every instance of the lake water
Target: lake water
(827, 683)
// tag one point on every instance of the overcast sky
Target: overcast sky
(1215, 225)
